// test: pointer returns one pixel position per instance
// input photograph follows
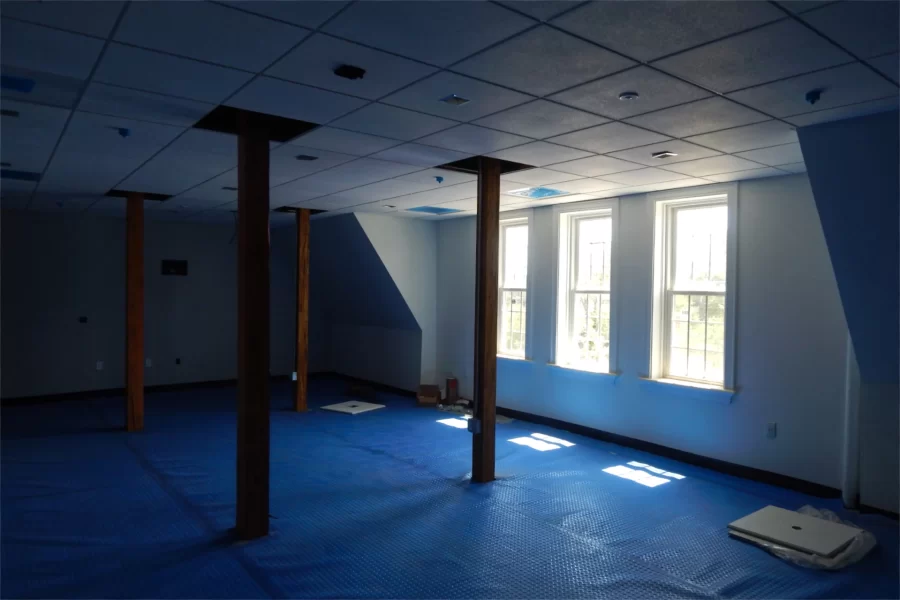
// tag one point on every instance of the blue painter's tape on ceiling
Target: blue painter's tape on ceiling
(20, 175)
(16, 84)
(434, 210)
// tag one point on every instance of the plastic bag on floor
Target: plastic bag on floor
(854, 552)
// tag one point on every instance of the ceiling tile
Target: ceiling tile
(285, 166)
(793, 168)
(346, 142)
(100, 135)
(748, 174)
(595, 166)
(210, 193)
(608, 138)
(540, 119)
(749, 137)
(698, 117)
(25, 46)
(164, 74)
(649, 30)
(542, 10)
(801, 6)
(91, 17)
(657, 90)
(538, 177)
(888, 64)
(660, 186)
(423, 156)
(295, 191)
(354, 174)
(776, 155)
(484, 98)
(542, 61)
(61, 204)
(865, 28)
(845, 112)
(847, 84)
(389, 121)
(772, 52)
(438, 32)
(229, 37)
(643, 176)
(540, 154)
(144, 106)
(309, 13)
(586, 186)
(294, 101)
(50, 89)
(382, 190)
(428, 178)
(29, 139)
(684, 151)
(474, 140)
(712, 166)
(438, 195)
(314, 61)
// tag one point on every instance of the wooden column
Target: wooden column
(486, 292)
(253, 331)
(134, 312)
(302, 351)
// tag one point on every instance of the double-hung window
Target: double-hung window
(513, 277)
(584, 326)
(693, 300)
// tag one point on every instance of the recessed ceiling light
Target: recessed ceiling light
(306, 157)
(664, 154)
(629, 96)
(229, 188)
(350, 72)
(455, 100)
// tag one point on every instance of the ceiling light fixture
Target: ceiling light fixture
(306, 157)
(664, 154)
(629, 96)
(455, 100)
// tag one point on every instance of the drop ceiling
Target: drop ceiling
(117, 87)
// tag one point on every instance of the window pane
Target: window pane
(511, 332)
(696, 364)
(697, 345)
(589, 342)
(715, 309)
(678, 362)
(594, 258)
(515, 256)
(701, 235)
(681, 302)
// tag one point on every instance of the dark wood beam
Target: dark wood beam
(134, 312)
(253, 331)
(301, 365)
(486, 292)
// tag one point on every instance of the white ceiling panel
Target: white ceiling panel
(595, 166)
(643, 176)
(297, 191)
(684, 150)
(393, 122)
(144, 106)
(68, 203)
(354, 174)
(199, 142)
(794, 168)
(314, 61)
(542, 10)
(484, 98)
(540, 154)
(649, 30)
(847, 84)
(345, 142)
(772, 52)
(164, 74)
(465, 204)
(656, 90)
(309, 13)
(541, 119)
(542, 61)
(76, 172)
(49, 89)
(743, 175)
(29, 139)
(801, 6)
(47, 50)
(845, 112)
(284, 165)
(423, 156)
(211, 193)
(437, 32)
(538, 177)
(698, 117)
(428, 178)
(865, 28)
(167, 175)
(382, 190)
(100, 136)
(91, 17)
(474, 140)
(226, 37)
(749, 137)
(888, 64)
(609, 138)
(586, 186)
(713, 166)
(659, 187)
(776, 155)
(437, 196)
(294, 101)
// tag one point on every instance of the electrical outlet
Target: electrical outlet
(148, 362)
(99, 365)
(772, 430)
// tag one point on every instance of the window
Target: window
(693, 303)
(584, 328)
(513, 279)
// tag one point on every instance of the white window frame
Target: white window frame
(563, 273)
(507, 219)
(665, 204)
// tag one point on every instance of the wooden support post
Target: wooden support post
(253, 331)
(486, 292)
(134, 312)
(301, 360)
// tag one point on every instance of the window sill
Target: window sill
(614, 375)
(691, 389)
(513, 357)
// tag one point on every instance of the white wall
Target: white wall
(790, 354)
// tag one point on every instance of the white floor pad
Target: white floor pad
(353, 407)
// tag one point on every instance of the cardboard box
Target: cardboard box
(428, 395)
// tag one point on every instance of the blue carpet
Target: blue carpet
(375, 505)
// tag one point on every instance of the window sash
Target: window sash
(668, 326)
(504, 318)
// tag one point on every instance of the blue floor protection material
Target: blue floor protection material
(376, 505)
